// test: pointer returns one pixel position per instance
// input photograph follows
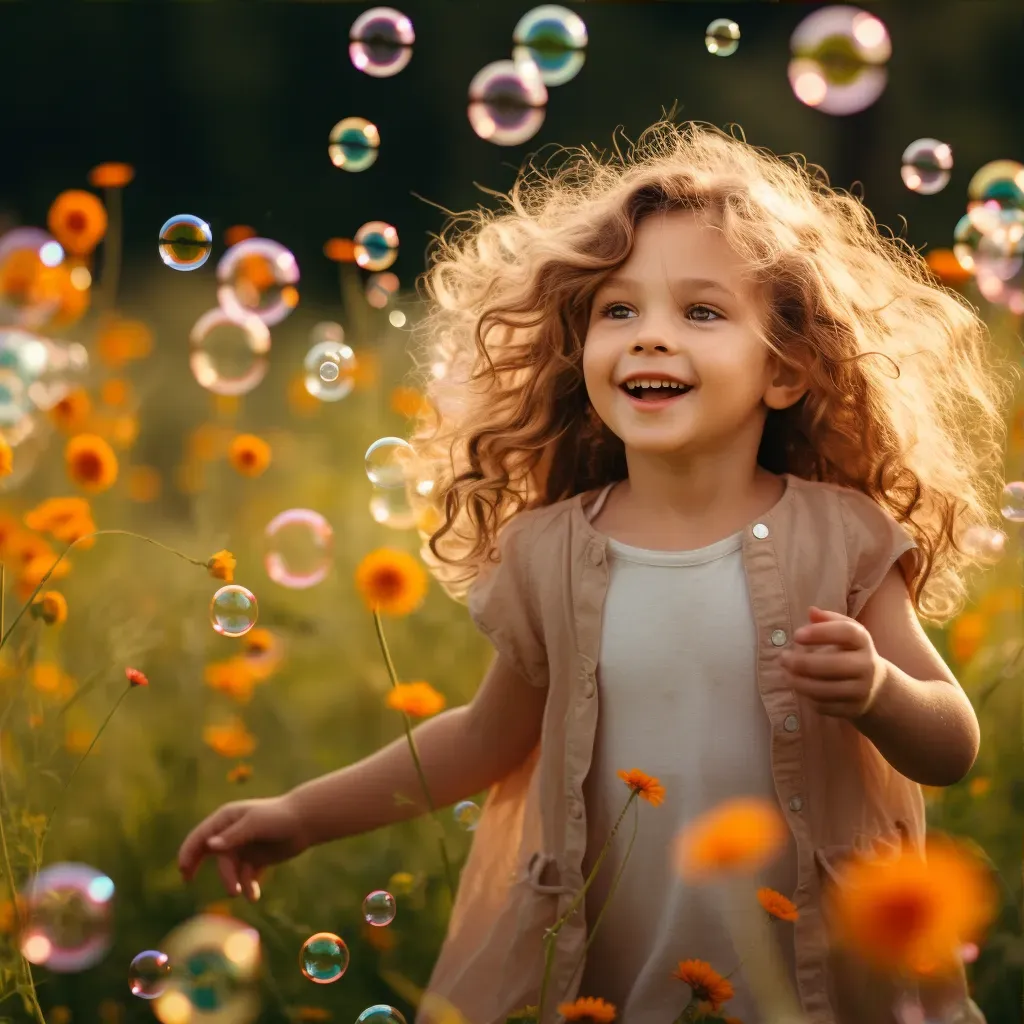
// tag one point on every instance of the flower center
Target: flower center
(387, 583)
(75, 221)
(89, 466)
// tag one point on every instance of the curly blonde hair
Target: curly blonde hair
(907, 396)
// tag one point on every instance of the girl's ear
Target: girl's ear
(788, 385)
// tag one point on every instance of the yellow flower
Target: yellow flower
(231, 740)
(777, 905)
(737, 836)
(221, 566)
(52, 607)
(707, 984)
(250, 455)
(420, 700)
(647, 786)
(111, 175)
(6, 458)
(588, 1008)
(913, 913)
(233, 677)
(391, 581)
(144, 484)
(78, 221)
(91, 462)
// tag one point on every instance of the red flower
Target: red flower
(135, 677)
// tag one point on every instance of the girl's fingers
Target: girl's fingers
(250, 882)
(228, 869)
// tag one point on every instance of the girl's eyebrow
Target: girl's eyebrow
(704, 283)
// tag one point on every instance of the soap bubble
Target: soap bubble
(722, 37)
(376, 245)
(329, 371)
(329, 385)
(839, 56)
(379, 908)
(990, 240)
(1000, 182)
(27, 297)
(216, 973)
(68, 918)
(387, 462)
(554, 38)
(381, 42)
(185, 242)
(354, 144)
(324, 958)
(507, 102)
(257, 277)
(1013, 501)
(148, 974)
(380, 288)
(983, 543)
(380, 1014)
(233, 610)
(467, 815)
(228, 354)
(390, 507)
(926, 165)
(299, 548)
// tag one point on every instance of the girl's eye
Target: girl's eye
(616, 311)
(703, 314)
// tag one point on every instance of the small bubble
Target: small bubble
(722, 37)
(379, 908)
(983, 543)
(233, 610)
(380, 1014)
(554, 39)
(329, 371)
(256, 277)
(185, 242)
(354, 144)
(926, 165)
(148, 974)
(387, 461)
(1013, 502)
(467, 815)
(507, 102)
(381, 41)
(396, 318)
(329, 365)
(324, 958)
(299, 548)
(376, 245)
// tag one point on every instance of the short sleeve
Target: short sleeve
(874, 543)
(502, 604)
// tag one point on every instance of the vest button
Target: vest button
(795, 803)
(760, 531)
(596, 554)
(791, 723)
(778, 637)
(575, 808)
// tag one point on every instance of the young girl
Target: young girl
(703, 441)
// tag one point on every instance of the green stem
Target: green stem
(111, 250)
(67, 550)
(449, 877)
(552, 934)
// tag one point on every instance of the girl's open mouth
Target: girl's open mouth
(655, 397)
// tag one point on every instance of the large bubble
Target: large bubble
(507, 102)
(228, 354)
(381, 42)
(555, 39)
(257, 277)
(186, 242)
(299, 548)
(324, 958)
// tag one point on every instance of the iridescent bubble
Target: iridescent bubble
(380, 288)
(68, 918)
(1008, 293)
(1013, 502)
(324, 385)
(227, 354)
(27, 297)
(387, 462)
(391, 508)
(722, 37)
(990, 240)
(1000, 182)
(983, 543)
(379, 908)
(554, 39)
(354, 144)
(185, 242)
(507, 102)
(233, 610)
(926, 165)
(381, 42)
(376, 245)
(329, 371)
(148, 974)
(216, 973)
(324, 957)
(839, 56)
(380, 1014)
(467, 815)
(257, 277)
(299, 548)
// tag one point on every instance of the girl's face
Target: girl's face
(679, 310)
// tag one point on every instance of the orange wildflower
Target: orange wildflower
(121, 341)
(111, 175)
(50, 679)
(135, 677)
(52, 607)
(238, 233)
(250, 455)
(258, 641)
(391, 581)
(23, 547)
(115, 392)
(420, 699)
(946, 267)
(979, 785)
(6, 458)
(221, 566)
(56, 512)
(737, 836)
(72, 411)
(707, 984)
(233, 677)
(33, 574)
(144, 483)
(589, 1009)
(91, 462)
(340, 250)
(409, 402)
(966, 634)
(78, 740)
(913, 913)
(240, 773)
(78, 220)
(231, 740)
(76, 531)
(777, 905)
(647, 786)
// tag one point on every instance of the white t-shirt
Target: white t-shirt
(678, 699)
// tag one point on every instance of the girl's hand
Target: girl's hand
(845, 676)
